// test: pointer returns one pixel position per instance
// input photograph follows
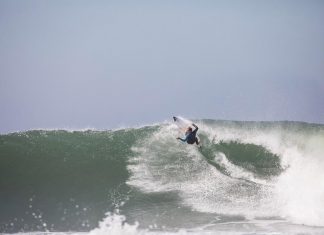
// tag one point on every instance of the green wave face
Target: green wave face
(65, 177)
(67, 180)
(251, 157)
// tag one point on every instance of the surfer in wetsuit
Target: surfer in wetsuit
(190, 137)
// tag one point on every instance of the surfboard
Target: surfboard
(182, 123)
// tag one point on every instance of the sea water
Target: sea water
(248, 178)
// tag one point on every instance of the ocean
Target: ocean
(248, 178)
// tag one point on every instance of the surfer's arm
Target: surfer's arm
(183, 140)
(195, 127)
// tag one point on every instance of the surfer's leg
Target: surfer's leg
(196, 141)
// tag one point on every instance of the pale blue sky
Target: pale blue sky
(105, 64)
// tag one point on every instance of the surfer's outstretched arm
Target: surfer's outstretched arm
(183, 140)
(195, 127)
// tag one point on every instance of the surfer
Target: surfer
(190, 137)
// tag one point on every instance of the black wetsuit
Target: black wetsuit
(191, 137)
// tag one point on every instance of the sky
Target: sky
(109, 64)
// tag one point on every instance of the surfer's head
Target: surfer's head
(189, 129)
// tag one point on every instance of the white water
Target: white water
(296, 195)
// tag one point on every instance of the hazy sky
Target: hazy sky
(105, 64)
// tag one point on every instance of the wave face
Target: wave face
(59, 180)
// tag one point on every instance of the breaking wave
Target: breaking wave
(68, 180)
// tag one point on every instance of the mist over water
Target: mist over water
(259, 177)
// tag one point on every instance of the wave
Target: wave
(67, 180)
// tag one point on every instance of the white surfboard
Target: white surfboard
(182, 123)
